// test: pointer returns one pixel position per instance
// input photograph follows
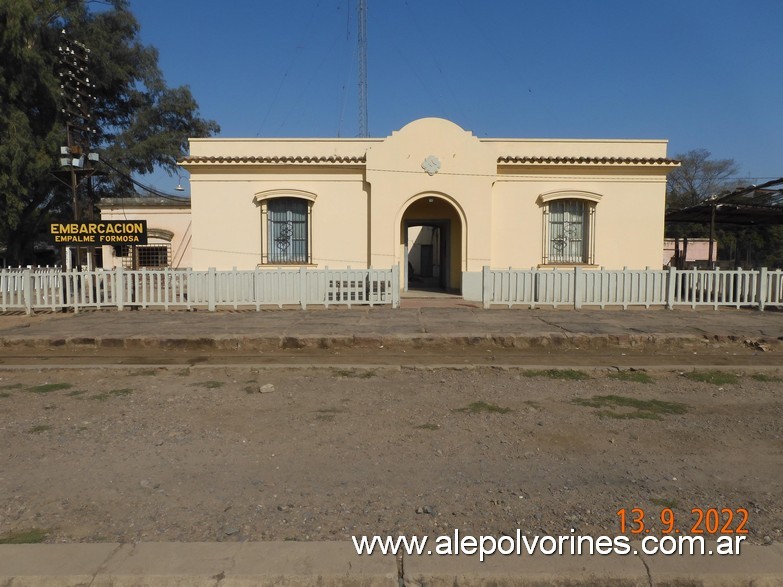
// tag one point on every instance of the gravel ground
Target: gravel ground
(230, 454)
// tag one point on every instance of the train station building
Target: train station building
(432, 198)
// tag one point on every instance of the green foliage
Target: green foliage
(208, 384)
(32, 536)
(763, 377)
(103, 396)
(40, 428)
(567, 374)
(714, 377)
(140, 122)
(483, 407)
(652, 409)
(49, 387)
(428, 426)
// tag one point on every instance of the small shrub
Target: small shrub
(567, 374)
(428, 426)
(483, 407)
(763, 377)
(40, 428)
(355, 373)
(208, 384)
(49, 387)
(113, 393)
(32, 536)
(652, 409)
(714, 377)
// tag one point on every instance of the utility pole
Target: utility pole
(362, 37)
(76, 161)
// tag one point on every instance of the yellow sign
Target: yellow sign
(128, 232)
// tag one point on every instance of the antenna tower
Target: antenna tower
(362, 37)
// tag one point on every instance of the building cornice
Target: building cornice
(276, 160)
(588, 161)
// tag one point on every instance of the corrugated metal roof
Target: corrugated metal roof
(748, 205)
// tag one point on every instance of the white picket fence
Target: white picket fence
(54, 289)
(632, 287)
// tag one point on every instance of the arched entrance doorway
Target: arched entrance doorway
(431, 238)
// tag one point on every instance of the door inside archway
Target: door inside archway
(431, 235)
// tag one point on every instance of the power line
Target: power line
(147, 188)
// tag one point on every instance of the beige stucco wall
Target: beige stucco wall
(175, 219)
(628, 218)
(365, 192)
(227, 229)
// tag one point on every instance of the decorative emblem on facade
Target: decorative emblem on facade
(431, 165)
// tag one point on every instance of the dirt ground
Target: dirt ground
(229, 454)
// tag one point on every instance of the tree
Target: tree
(140, 123)
(698, 178)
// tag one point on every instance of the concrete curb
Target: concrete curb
(640, 342)
(336, 563)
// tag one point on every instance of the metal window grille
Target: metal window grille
(568, 232)
(156, 256)
(287, 231)
(150, 256)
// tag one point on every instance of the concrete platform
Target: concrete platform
(324, 564)
(372, 328)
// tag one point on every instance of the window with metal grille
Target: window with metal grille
(568, 228)
(153, 256)
(287, 231)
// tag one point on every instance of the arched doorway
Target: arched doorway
(431, 235)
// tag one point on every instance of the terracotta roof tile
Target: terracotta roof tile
(276, 160)
(587, 160)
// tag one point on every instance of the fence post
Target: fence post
(303, 288)
(119, 288)
(486, 287)
(211, 289)
(626, 287)
(716, 290)
(235, 286)
(671, 288)
(577, 288)
(27, 285)
(396, 285)
(762, 288)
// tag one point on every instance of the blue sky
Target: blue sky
(700, 73)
